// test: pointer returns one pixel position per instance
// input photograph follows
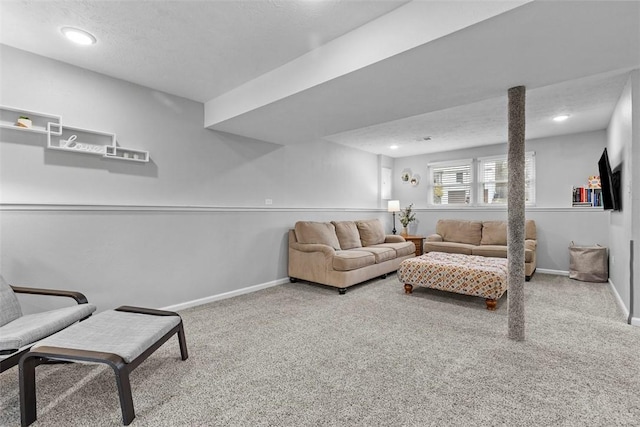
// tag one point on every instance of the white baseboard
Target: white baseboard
(635, 321)
(556, 272)
(218, 297)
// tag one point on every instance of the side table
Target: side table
(418, 241)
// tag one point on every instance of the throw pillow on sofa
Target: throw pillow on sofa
(494, 233)
(317, 232)
(348, 235)
(371, 232)
(459, 231)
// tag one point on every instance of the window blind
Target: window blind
(451, 183)
(493, 179)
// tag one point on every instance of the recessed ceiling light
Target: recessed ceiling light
(561, 118)
(79, 36)
(393, 147)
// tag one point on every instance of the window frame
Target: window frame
(431, 169)
(530, 184)
(477, 181)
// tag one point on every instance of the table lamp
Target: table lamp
(393, 206)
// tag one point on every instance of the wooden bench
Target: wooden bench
(122, 338)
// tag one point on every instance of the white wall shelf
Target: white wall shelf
(127, 154)
(9, 118)
(71, 139)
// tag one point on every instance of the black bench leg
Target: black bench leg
(183, 343)
(124, 391)
(28, 390)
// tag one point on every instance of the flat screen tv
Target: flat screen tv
(610, 183)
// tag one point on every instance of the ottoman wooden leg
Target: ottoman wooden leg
(491, 304)
(408, 288)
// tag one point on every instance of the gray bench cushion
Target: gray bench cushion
(28, 329)
(126, 334)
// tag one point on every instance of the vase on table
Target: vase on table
(404, 231)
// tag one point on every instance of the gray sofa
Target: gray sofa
(344, 253)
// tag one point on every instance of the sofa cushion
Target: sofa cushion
(494, 233)
(494, 251)
(449, 247)
(9, 306)
(530, 229)
(499, 251)
(459, 231)
(352, 260)
(371, 232)
(347, 233)
(402, 248)
(381, 253)
(317, 232)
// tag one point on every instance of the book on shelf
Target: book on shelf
(584, 196)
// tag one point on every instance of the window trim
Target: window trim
(480, 179)
(477, 182)
(451, 163)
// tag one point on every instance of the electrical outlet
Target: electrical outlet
(613, 260)
(268, 201)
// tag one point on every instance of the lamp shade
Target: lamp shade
(393, 206)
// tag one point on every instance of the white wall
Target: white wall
(623, 147)
(190, 224)
(561, 163)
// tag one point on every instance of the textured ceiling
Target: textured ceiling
(590, 102)
(573, 57)
(195, 49)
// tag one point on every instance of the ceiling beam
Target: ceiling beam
(405, 28)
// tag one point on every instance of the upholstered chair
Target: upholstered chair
(19, 332)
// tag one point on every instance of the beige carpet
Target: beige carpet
(302, 355)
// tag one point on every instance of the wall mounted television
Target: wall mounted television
(610, 183)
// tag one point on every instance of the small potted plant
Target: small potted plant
(406, 217)
(24, 122)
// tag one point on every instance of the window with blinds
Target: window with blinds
(451, 183)
(493, 180)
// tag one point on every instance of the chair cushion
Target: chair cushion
(28, 329)
(9, 306)
(371, 231)
(317, 232)
(126, 334)
(348, 235)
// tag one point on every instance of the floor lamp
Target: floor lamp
(393, 206)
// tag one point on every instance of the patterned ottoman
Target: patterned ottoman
(463, 274)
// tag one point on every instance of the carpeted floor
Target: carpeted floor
(302, 355)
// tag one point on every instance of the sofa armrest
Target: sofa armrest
(313, 247)
(80, 298)
(394, 238)
(434, 238)
(530, 244)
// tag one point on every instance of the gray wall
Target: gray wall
(190, 224)
(193, 223)
(561, 163)
(624, 226)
